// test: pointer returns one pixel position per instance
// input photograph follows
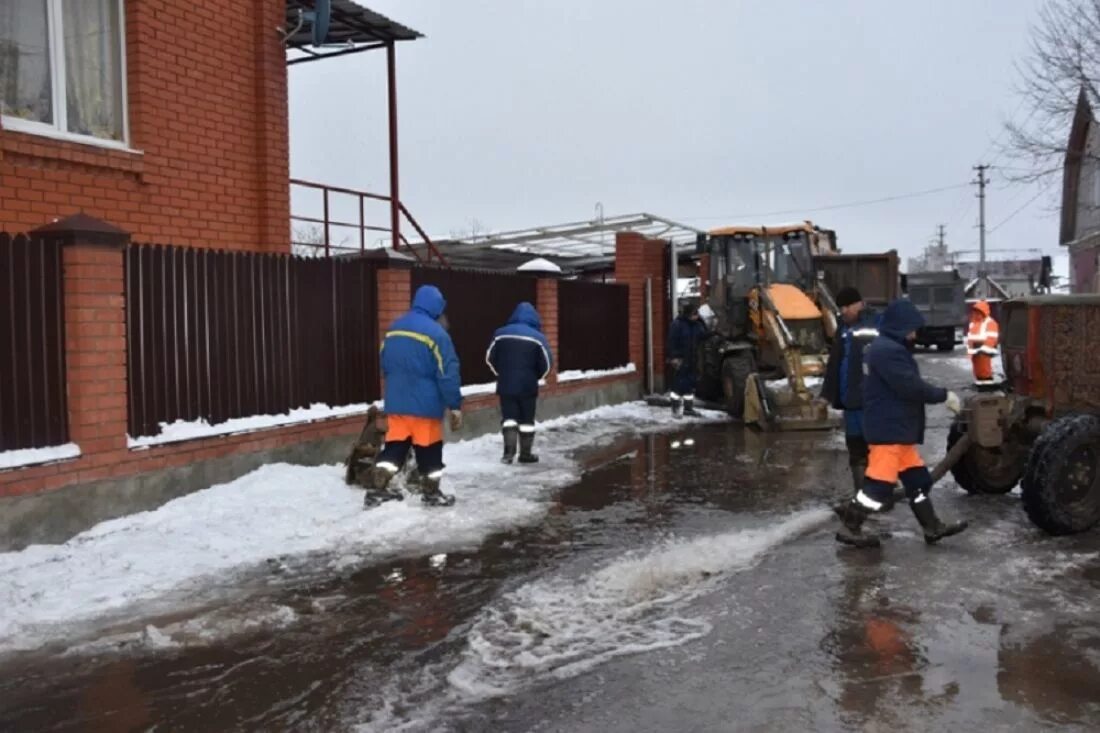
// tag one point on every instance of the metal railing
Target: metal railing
(424, 251)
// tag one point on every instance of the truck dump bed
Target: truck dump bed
(875, 276)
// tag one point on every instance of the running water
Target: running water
(561, 627)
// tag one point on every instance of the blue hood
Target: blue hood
(526, 314)
(900, 319)
(429, 300)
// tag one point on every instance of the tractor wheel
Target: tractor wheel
(1062, 485)
(983, 470)
(735, 373)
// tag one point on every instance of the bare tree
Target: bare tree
(1063, 63)
(474, 229)
(308, 240)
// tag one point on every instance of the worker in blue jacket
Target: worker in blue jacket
(894, 396)
(684, 337)
(843, 385)
(422, 381)
(519, 356)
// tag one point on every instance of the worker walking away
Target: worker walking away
(982, 341)
(519, 356)
(843, 386)
(894, 396)
(687, 332)
(420, 368)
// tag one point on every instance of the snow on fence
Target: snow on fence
(33, 410)
(214, 336)
(593, 326)
(478, 303)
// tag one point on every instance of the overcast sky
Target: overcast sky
(711, 112)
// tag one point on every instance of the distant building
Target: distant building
(1080, 225)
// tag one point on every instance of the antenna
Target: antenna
(319, 20)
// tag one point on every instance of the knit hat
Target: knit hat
(847, 296)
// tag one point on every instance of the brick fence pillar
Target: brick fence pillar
(547, 305)
(638, 258)
(95, 332)
(394, 299)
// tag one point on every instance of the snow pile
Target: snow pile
(174, 552)
(35, 456)
(563, 627)
(472, 390)
(574, 375)
(190, 430)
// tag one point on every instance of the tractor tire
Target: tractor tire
(983, 471)
(1062, 484)
(736, 369)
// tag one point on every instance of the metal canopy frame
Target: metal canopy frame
(355, 29)
(585, 238)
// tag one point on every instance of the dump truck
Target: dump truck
(1042, 428)
(941, 299)
(774, 319)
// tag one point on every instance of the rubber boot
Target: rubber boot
(851, 533)
(934, 529)
(511, 441)
(677, 407)
(689, 407)
(526, 443)
(859, 470)
(432, 496)
(379, 490)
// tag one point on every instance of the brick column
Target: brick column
(636, 259)
(95, 333)
(394, 299)
(546, 301)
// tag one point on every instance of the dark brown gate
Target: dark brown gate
(593, 325)
(33, 410)
(478, 303)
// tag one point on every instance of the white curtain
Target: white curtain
(26, 90)
(93, 67)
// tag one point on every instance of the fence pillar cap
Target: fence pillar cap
(83, 229)
(388, 258)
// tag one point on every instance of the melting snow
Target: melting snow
(573, 375)
(35, 456)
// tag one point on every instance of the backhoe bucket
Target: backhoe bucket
(772, 410)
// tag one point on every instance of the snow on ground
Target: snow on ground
(573, 375)
(189, 430)
(281, 511)
(35, 456)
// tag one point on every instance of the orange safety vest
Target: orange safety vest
(982, 341)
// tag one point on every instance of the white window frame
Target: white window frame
(58, 129)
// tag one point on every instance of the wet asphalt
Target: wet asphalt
(673, 588)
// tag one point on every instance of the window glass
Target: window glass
(26, 88)
(93, 68)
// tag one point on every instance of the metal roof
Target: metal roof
(582, 239)
(352, 29)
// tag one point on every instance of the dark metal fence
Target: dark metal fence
(593, 325)
(478, 303)
(33, 410)
(219, 335)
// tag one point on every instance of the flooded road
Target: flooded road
(687, 588)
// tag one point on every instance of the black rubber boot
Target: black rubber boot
(858, 472)
(934, 529)
(432, 496)
(689, 407)
(511, 441)
(526, 443)
(379, 490)
(677, 407)
(851, 533)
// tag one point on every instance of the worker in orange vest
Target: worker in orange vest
(981, 342)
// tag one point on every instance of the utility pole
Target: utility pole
(940, 236)
(983, 286)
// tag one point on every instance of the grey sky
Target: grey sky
(527, 112)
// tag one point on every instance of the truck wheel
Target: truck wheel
(946, 346)
(982, 470)
(735, 372)
(1062, 485)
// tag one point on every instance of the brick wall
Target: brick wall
(208, 124)
(96, 363)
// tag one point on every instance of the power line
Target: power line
(1027, 203)
(832, 207)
